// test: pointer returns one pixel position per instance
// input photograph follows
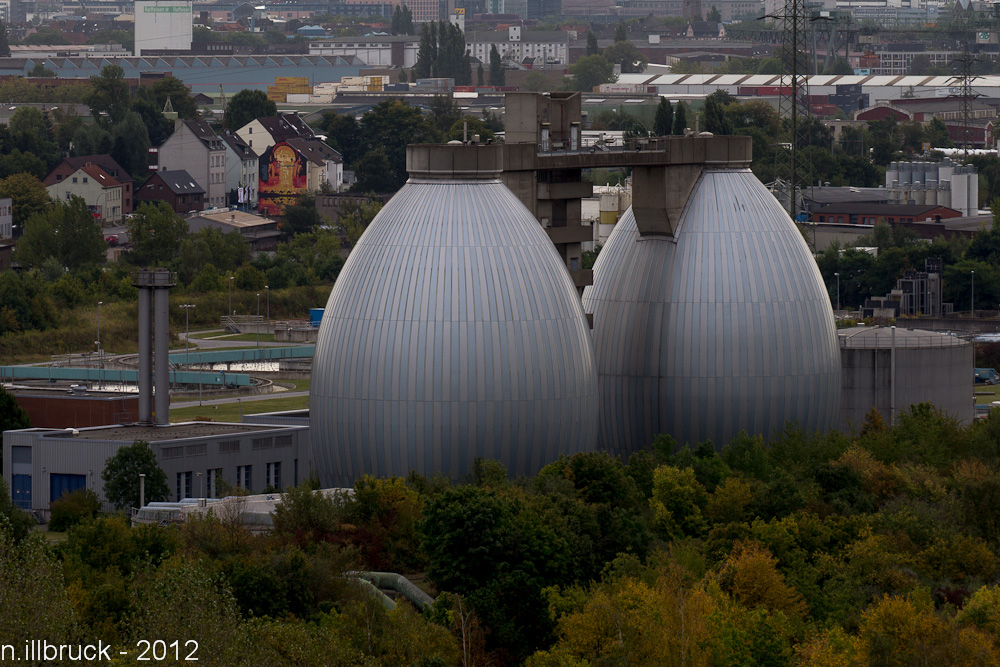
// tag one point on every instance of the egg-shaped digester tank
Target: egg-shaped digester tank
(724, 326)
(454, 331)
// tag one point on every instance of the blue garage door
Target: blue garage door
(21, 491)
(60, 483)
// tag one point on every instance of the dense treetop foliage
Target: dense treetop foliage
(873, 548)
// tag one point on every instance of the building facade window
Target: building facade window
(274, 475)
(244, 476)
(184, 485)
(213, 475)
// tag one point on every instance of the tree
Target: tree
(632, 60)
(480, 81)
(839, 66)
(179, 95)
(4, 43)
(621, 35)
(130, 144)
(592, 48)
(301, 217)
(109, 97)
(342, 134)
(663, 122)
(248, 105)
(498, 75)
(680, 119)
(12, 417)
(210, 247)
(41, 71)
(713, 15)
(715, 118)
(66, 231)
(158, 128)
(28, 196)
(425, 53)
(91, 139)
(155, 231)
(936, 133)
(386, 130)
(591, 71)
(121, 476)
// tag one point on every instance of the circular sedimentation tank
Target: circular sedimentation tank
(454, 331)
(726, 326)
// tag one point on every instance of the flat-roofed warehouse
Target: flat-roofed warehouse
(45, 463)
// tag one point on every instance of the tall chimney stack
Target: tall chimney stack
(154, 297)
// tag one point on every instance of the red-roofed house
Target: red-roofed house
(105, 162)
(100, 190)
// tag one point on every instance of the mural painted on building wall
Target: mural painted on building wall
(282, 178)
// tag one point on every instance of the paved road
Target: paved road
(242, 399)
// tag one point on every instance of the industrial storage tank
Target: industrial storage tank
(454, 331)
(723, 326)
(892, 368)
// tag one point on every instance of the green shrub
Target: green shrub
(72, 508)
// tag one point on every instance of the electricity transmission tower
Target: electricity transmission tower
(791, 171)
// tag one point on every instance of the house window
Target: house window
(85, 179)
(74, 179)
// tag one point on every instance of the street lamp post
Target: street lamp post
(100, 354)
(258, 319)
(973, 296)
(230, 296)
(267, 291)
(187, 342)
(838, 290)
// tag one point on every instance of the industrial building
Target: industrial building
(45, 463)
(942, 183)
(892, 368)
(453, 332)
(163, 24)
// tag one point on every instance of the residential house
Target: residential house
(262, 133)
(101, 192)
(291, 168)
(178, 188)
(241, 171)
(194, 147)
(105, 162)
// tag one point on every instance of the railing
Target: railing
(867, 340)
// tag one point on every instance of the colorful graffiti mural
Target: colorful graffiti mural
(283, 179)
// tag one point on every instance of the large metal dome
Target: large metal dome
(727, 326)
(453, 332)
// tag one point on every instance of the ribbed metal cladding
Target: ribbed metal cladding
(453, 332)
(726, 327)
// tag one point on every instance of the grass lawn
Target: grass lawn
(992, 389)
(230, 412)
(300, 385)
(248, 336)
(209, 333)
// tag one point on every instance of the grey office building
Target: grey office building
(42, 464)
